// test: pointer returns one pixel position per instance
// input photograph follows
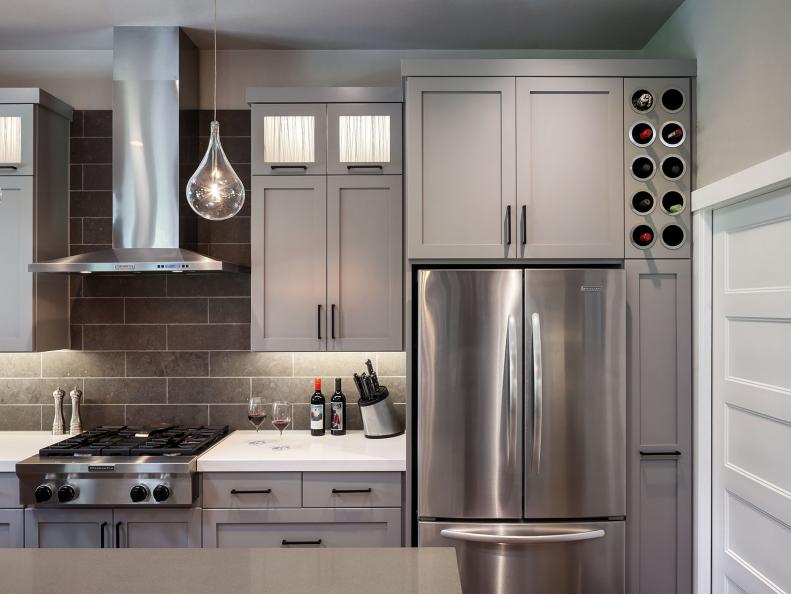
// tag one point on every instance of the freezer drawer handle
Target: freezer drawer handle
(475, 536)
(241, 492)
(342, 491)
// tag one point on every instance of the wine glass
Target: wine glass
(281, 418)
(256, 414)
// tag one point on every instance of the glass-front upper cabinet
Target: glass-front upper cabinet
(289, 139)
(364, 138)
(16, 139)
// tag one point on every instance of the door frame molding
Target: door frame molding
(754, 183)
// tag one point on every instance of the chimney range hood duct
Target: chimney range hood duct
(155, 92)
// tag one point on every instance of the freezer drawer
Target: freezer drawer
(537, 558)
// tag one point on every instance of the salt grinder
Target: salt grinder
(76, 423)
(59, 423)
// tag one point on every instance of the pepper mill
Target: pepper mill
(76, 423)
(59, 423)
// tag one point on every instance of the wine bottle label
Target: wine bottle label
(317, 416)
(337, 416)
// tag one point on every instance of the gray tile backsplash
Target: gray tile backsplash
(149, 348)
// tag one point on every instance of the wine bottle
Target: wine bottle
(338, 410)
(643, 168)
(642, 100)
(672, 167)
(643, 236)
(642, 202)
(317, 421)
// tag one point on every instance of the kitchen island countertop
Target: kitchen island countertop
(241, 571)
(18, 445)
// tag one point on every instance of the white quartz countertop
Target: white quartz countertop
(18, 445)
(346, 453)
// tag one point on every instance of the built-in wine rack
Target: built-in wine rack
(658, 160)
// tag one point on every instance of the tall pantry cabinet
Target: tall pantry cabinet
(327, 262)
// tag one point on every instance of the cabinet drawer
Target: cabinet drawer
(239, 490)
(9, 490)
(291, 528)
(351, 489)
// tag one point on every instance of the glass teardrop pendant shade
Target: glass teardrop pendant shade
(214, 191)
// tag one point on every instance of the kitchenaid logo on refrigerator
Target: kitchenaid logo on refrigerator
(591, 289)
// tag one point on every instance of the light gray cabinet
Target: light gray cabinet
(364, 263)
(289, 139)
(252, 490)
(364, 138)
(11, 529)
(69, 528)
(569, 167)
(659, 457)
(288, 287)
(356, 527)
(160, 528)
(351, 489)
(460, 156)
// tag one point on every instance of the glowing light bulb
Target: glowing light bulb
(214, 191)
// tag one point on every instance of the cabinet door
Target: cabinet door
(289, 139)
(16, 140)
(288, 237)
(16, 246)
(289, 528)
(11, 532)
(157, 528)
(364, 263)
(364, 138)
(569, 167)
(460, 167)
(659, 436)
(68, 529)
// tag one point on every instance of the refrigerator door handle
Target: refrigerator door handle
(511, 356)
(538, 393)
(479, 536)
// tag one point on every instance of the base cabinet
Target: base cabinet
(11, 529)
(349, 527)
(68, 528)
(157, 529)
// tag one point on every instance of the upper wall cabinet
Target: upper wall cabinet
(289, 139)
(569, 168)
(34, 199)
(364, 138)
(461, 183)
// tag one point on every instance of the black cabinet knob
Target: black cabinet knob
(161, 492)
(66, 493)
(43, 493)
(138, 493)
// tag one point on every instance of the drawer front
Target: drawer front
(351, 489)
(9, 490)
(241, 490)
(302, 528)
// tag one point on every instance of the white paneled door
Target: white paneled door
(751, 522)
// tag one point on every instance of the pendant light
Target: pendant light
(214, 191)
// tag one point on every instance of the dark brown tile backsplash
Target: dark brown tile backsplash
(150, 348)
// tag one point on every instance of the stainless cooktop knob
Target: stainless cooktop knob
(138, 493)
(66, 493)
(161, 492)
(43, 493)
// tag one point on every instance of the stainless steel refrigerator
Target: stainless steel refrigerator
(521, 427)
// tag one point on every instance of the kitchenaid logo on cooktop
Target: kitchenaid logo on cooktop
(591, 288)
(101, 468)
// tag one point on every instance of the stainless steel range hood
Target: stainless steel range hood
(155, 99)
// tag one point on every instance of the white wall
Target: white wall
(743, 48)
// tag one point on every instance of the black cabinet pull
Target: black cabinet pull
(118, 535)
(318, 320)
(352, 167)
(524, 224)
(508, 225)
(101, 533)
(245, 492)
(342, 491)
(300, 542)
(303, 167)
(674, 453)
(11, 167)
(332, 317)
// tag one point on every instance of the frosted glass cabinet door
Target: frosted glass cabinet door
(569, 168)
(289, 262)
(16, 139)
(16, 247)
(364, 138)
(289, 139)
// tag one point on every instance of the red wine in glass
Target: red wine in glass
(256, 419)
(280, 424)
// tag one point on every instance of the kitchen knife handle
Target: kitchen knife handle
(318, 323)
(118, 535)
(252, 491)
(508, 225)
(524, 224)
(344, 491)
(332, 320)
(538, 392)
(102, 528)
(286, 543)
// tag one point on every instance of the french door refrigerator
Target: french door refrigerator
(521, 427)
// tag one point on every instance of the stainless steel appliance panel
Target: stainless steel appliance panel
(469, 398)
(575, 393)
(536, 558)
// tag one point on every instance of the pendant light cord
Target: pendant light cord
(215, 60)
